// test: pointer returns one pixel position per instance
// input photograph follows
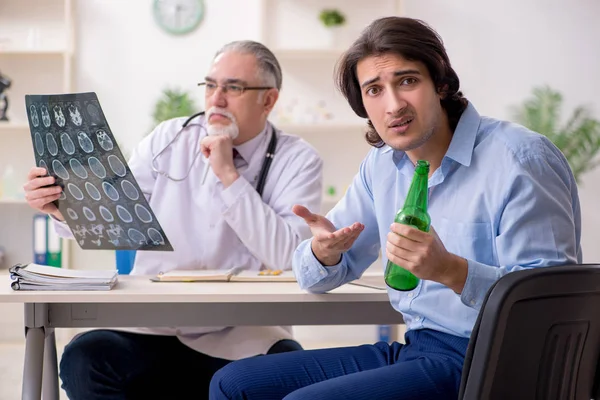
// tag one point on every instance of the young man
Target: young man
(218, 222)
(501, 198)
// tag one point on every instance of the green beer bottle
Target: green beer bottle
(413, 213)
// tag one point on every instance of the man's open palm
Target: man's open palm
(328, 243)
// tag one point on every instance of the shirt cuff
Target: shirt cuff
(309, 271)
(61, 227)
(235, 191)
(57, 220)
(480, 278)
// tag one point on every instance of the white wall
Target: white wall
(124, 57)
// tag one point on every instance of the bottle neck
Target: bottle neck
(418, 192)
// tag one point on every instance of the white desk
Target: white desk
(137, 302)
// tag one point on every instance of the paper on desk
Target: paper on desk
(371, 281)
(69, 273)
(41, 277)
(256, 276)
(196, 275)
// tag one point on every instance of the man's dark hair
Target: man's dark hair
(413, 40)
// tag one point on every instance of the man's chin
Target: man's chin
(406, 144)
(218, 129)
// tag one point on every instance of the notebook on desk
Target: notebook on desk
(41, 277)
(232, 275)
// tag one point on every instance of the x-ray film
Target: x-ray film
(101, 200)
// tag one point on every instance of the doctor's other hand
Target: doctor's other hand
(219, 151)
(328, 243)
(41, 191)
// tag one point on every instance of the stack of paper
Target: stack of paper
(40, 277)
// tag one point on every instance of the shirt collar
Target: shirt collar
(463, 140)
(250, 147)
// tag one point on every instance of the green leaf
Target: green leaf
(332, 17)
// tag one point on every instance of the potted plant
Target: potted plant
(334, 20)
(172, 104)
(578, 138)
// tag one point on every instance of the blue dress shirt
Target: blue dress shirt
(504, 198)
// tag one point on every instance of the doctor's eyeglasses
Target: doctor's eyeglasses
(230, 89)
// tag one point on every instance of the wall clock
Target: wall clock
(178, 17)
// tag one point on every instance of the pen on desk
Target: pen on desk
(270, 272)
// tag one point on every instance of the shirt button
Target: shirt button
(417, 318)
(322, 272)
(472, 302)
(410, 294)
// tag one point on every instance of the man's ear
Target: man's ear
(443, 91)
(269, 99)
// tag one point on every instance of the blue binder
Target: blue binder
(125, 260)
(40, 238)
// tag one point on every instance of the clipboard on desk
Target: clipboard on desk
(231, 275)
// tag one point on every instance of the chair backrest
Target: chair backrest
(537, 337)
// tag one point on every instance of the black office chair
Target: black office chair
(537, 337)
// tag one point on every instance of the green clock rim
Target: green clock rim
(181, 31)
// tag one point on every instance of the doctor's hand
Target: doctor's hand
(424, 254)
(40, 195)
(328, 244)
(219, 151)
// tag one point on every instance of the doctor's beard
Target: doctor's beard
(232, 130)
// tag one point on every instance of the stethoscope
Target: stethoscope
(264, 170)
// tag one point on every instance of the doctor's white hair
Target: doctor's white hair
(269, 69)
